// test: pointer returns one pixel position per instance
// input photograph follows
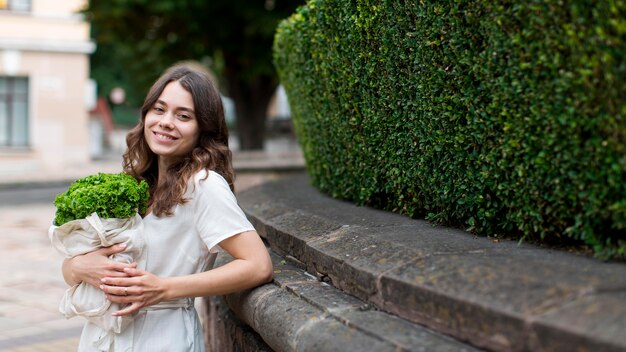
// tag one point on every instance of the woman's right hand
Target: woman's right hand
(93, 266)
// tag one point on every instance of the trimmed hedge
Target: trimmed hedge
(501, 117)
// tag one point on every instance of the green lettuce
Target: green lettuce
(109, 195)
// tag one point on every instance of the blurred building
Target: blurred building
(45, 91)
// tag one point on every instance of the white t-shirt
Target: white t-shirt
(185, 243)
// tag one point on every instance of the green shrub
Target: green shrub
(501, 117)
(110, 195)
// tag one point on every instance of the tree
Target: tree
(138, 39)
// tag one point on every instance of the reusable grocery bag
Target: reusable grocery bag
(85, 235)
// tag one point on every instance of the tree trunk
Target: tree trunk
(251, 98)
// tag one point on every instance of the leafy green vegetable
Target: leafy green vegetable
(109, 195)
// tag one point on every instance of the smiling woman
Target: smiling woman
(180, 148)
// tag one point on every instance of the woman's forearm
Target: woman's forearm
(68, 275)
(232, 277)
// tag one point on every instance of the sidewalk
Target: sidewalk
(31, 283)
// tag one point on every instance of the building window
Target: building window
(13, 112)
(15, 5)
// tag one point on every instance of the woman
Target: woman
(180, 147)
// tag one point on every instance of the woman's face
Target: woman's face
(171, 128)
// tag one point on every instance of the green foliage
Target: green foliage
(125, 116)
(138, 39)
(109, 195)
(500, 117)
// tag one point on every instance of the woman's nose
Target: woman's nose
(167, 120)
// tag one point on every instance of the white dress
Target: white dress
(182, 244)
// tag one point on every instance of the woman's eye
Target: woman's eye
(158, 109)
(183, 116)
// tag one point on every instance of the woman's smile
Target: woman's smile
(164, 137)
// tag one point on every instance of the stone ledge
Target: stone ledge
(297, 312)
(224, 332)
(498, 296)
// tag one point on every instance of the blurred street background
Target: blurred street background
(73, 75)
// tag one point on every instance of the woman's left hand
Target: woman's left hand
(141, 289)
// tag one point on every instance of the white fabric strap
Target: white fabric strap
(56, 242)
(68, 304)
(175, 303)
(96, 223)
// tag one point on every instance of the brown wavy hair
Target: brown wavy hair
(211, 152)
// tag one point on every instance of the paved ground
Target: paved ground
(31, 283)
(30, 279)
